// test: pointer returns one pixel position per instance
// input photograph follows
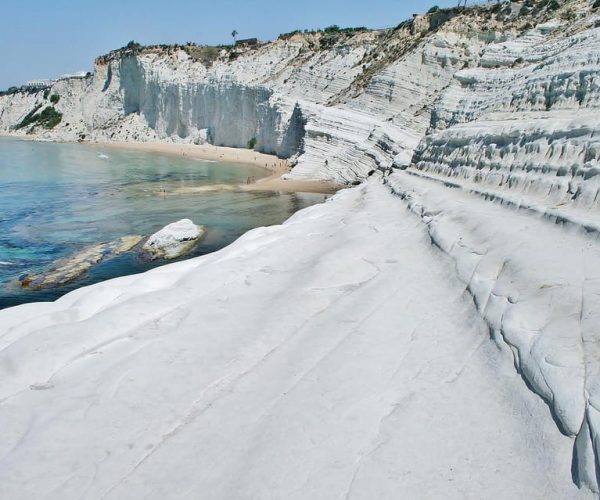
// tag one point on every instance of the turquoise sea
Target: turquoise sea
(56, 199)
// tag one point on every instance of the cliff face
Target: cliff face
(349, 102)
(527, 123)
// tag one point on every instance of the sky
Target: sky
(42, 39)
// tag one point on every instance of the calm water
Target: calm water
(56, 199)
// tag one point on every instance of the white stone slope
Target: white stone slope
(335, 356)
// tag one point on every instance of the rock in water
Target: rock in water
(174, 240)
(70, 268)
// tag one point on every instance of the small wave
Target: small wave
(5, 263)
(205, 161)
(104, 157)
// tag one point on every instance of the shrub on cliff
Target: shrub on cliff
(252, 143)
(54, 98)
(553, 5)
(48, 118)
(290, 34)
(568, 15)
(9, 91)
(329, 40)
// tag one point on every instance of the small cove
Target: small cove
(56, 199)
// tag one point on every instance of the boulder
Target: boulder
(174, 240)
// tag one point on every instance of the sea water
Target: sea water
(56, 199)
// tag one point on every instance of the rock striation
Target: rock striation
(342, 104)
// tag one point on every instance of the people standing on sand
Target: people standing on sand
(253, 180)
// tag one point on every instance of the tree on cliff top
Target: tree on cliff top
(133, 45)
(234, 34)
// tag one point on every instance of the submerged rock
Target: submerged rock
(174, 240)
(70, 268)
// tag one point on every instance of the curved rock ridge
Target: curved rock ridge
(541, 305)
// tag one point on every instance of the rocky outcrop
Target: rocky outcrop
(75, 266)
(335, 354)
(174, 240)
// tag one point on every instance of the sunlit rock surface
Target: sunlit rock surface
(336, 356)
(174, 240)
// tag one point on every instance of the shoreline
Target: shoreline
(273, 182)
(271, 163)
(200, 151)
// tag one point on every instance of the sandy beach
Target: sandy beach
(276, 167)
(202, 151)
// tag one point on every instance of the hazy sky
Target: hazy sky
(44, 39)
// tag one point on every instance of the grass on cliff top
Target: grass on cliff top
(206, 54)
(333, 29)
